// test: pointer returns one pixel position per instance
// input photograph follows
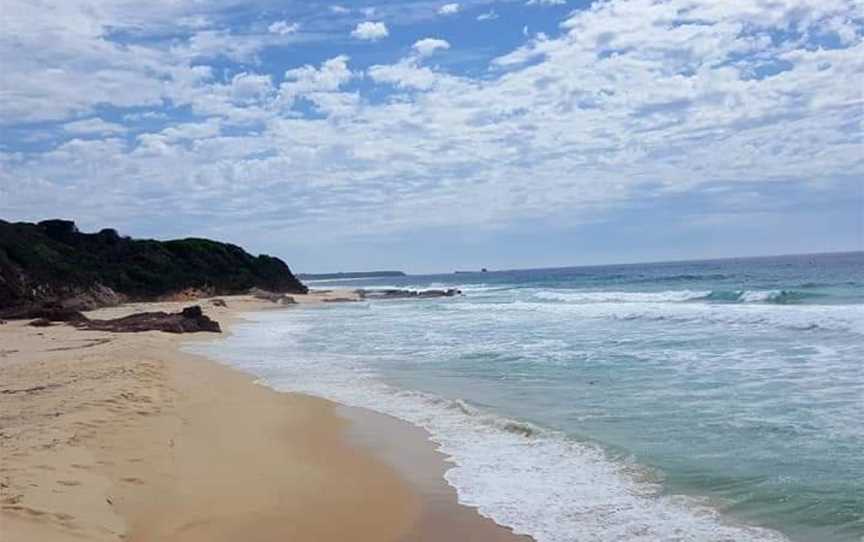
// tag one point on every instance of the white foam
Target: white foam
(620, 297)
(537, 481)
(796, 317)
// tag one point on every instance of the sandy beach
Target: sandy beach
(121, 436)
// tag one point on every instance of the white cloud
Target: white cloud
(545, 2)
(370, 31)
(673, 96)
(490, 15)
(339, 10)
(429, 46)
(209, 44)
(283, 28)
(449, 9)
(191, 131)
(94, 126)
(248, 87)
(405, 74)
(312, 83)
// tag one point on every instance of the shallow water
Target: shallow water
(702, 401)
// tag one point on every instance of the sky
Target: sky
(434, 135)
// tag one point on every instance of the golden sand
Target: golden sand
(123, 437)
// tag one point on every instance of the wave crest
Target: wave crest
(780, 297)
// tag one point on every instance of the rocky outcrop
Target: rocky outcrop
(53, 312)
(274, 297)
(53, 262)
(402, 294)
(189, 320)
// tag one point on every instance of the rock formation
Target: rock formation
(401, 294)
(189, 320)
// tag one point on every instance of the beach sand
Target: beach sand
(124, 437)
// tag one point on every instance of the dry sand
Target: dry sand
(123, 437)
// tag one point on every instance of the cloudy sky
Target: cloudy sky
(424, 136)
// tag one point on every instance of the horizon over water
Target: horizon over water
(466, 271)
(710, 400)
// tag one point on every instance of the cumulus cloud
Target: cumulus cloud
(283, 28)
(314, 83)
(339, 10)
(449, 9)
(94, 126)
(406, 74)
(370, 31)
(628, 99)
(429, 46)
(248, 87)
(490, 15)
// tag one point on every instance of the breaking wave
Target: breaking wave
(779, 297)
(535, 480)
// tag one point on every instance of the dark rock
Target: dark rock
(93, 297)
(50, 311)
(402, 294)
(40, 322)
(339, 300)
(439, 293)
(192, 312)
(218, 303)
(275, 297)
(189, 320)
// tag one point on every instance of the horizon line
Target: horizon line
(653, 262)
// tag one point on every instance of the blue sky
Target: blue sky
(431, 136)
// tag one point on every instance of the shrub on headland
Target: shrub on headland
(53, 262)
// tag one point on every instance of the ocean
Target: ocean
(696, 401)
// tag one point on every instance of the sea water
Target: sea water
(700, 401)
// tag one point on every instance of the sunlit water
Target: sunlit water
(701, 401)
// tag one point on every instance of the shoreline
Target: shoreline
(124, 436)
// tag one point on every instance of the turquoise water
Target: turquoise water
(717, 400)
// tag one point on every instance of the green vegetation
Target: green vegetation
(52, 260)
